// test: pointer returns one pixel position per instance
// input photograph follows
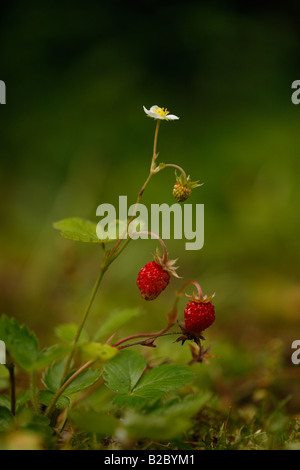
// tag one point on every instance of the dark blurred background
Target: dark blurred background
(74, 135)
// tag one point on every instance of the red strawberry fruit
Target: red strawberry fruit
(154, 277)
(152, 280)
(198, 316)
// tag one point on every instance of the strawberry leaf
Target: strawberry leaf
(86, 379)
(21, 344)
(123, 375)
(53, 375)
(46, 397)
(123, 372)
(78, 229)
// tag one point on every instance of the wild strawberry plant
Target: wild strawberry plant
(137, 401)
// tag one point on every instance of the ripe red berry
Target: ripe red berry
(198, 316)
(152, 280)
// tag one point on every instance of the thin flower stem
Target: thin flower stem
(83, 320)
(65, 385)
(155, 154)
(175, 166)
(142, 335)
(149, 338)
(199, 290)
(171, 322)
(143, 232)
(151, 173)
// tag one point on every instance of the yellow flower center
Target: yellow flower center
(161, 111)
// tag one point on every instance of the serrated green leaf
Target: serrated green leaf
(46, 397)
(6, 419)
(49, 355)
(78, 229)
(163, 379)
(123, 375)
(94, 422)
(115, 321)
(86, 379)
(101, 352)
(53, 375)
(123, 371)
(21, 344)
(67, 333)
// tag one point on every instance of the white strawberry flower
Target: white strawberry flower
(160, 113)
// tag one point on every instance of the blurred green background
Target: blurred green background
(74, 135)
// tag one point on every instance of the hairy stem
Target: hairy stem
(175, 166)
(83, 320)
(155, 154)
(65, 385)
(142, 335)
(149, 338)
(199, 290)
(143, 232)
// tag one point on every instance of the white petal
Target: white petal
(153, 108)
(146, 110)
(152, 113)
(171, 117)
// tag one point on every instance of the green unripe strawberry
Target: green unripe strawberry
(181, 192)
(183, 187)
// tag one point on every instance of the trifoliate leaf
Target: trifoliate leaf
(123, 375)
(123, 371)
(163, 379)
